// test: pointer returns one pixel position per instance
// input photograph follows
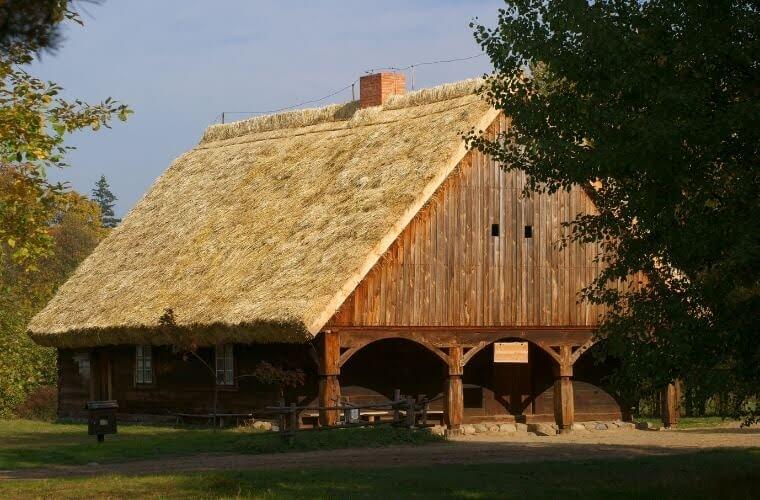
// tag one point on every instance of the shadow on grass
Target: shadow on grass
(713, 474)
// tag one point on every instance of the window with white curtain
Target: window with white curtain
(225, 364)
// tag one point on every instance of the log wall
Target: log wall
(185, 385)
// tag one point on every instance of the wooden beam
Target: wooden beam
(329, 370)
(473, 351)
(454, 411)
(356, 347)
(564, 404)
(444, 336)
(564, 399)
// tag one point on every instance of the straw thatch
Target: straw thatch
(261, 231)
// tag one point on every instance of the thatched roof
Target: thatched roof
(262, 230)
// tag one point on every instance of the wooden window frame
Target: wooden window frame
(224, 386)
(136, 370)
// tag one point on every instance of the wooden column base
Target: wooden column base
(454, 413)
(329, 395)
(564, 406)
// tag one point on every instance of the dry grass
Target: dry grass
(259, 232)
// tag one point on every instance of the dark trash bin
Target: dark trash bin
(102, 418)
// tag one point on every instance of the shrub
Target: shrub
(40, 404)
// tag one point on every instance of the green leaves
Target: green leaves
(34, 122)
(24, 290)
(656, 103)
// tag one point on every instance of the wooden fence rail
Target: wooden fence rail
(415, 414)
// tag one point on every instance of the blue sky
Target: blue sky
(179, 63)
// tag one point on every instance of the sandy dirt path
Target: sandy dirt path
(480, 448)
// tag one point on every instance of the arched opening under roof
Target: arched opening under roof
(495, 390)
(524, 391)
(374, 372)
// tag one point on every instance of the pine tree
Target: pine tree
(103, 196)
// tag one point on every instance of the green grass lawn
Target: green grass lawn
(28, 443)
(714, 474)
(691, 422)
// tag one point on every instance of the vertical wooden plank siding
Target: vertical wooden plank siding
(446, 269)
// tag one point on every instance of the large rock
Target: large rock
(577, 426)
(600, 426)
(493, 427)
(521, 427)
(468, 429)
(628, 426)
(542, 429)
(481, 428)
(590, 426)
(510, 428)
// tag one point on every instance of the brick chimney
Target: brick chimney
(376, 88)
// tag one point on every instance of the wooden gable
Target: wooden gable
(467, 259)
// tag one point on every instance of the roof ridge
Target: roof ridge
(337, 112)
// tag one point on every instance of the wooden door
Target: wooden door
(100, 381)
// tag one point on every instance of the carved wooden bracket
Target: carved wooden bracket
(473, 351)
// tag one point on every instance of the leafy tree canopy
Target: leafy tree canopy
(75, 232)
(654, 103)
(34, 121)
(33, 22)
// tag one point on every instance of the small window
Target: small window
(143, 364)
(494, 230)
(528, 231)
(225, 371)
(82, 360)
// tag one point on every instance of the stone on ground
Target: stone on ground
(647, 426)
(510, 428)
(436, 430)
(542, 429)
(262, 425)
(601, 426)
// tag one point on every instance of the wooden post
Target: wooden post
(293, 419)
(669, 404)
(396, 413)
(564, 404)
(329, 370)
(454, 413)
(411, 416)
